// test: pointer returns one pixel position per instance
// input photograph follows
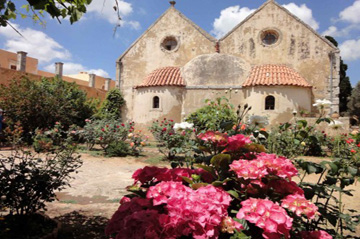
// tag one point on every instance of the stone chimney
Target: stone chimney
(59, 69)
(92, 80)
(21, 61)
(107, 84)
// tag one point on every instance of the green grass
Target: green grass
(68, 201)
(155, 160)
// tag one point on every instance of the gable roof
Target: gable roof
(165, 76)
(275, 75)
(288, 12)
(171, 8)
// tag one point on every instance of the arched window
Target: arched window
(270, 102)
(156, 102)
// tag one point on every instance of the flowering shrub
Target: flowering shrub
(173, 139)
(136, 142)
(109, 133)
(242, 192)
(50, 140)
(105, 131)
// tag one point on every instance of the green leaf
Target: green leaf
(208, 169)
(352, 170)
(233, 193)
(220, 183)
(188, 180)
(303, 123)
(198, 185)
(221, 160)
(333, 167)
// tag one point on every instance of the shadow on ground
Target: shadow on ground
(74, 225)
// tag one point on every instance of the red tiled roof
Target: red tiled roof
(165, 76)
(271, 75)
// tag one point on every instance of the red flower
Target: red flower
(102, 129)
(122, 125)
(353, 151)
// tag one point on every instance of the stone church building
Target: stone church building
(272, 61)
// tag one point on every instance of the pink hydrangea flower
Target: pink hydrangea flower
(315, 235)
(191, 212)
(246, 169)
(285, 188)
(155, 174)
(236, 142)
(300, 205)
(278, 165)
(268, 216)
(134, 219)
(125, 200)
(264, 164)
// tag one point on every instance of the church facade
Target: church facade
(272, 61)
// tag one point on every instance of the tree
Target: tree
(354, 102)
(40, 104)
(35, 9)
(345, 85)
(111, 107)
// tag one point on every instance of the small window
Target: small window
(270, 102)
(13, 67)
(169, 43)
(269, 37)
(156, 102)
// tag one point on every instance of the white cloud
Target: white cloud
(229, 18)
(350, 50)
(351, 14)
(304, 13)
(331, 31)
(105, 10)
(133, 24)
(335, 32)
(36, 43)
(71, 68)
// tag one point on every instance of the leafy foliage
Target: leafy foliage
(175, 144)
(111, 106)
(35, 9)
(354, 103)
(27, 181)
(117, 149)
(112, 133)
(53, 139)
(214, 116)
(40, 104)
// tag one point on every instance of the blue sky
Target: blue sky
(90, 45)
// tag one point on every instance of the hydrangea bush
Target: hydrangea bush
(242, 192)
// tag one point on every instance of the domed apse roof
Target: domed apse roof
(275, 75)
(165, 76)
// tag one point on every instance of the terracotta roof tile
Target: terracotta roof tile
(271, 75)
(165, 76)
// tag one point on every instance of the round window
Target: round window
(269, 37)
(169, 43)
